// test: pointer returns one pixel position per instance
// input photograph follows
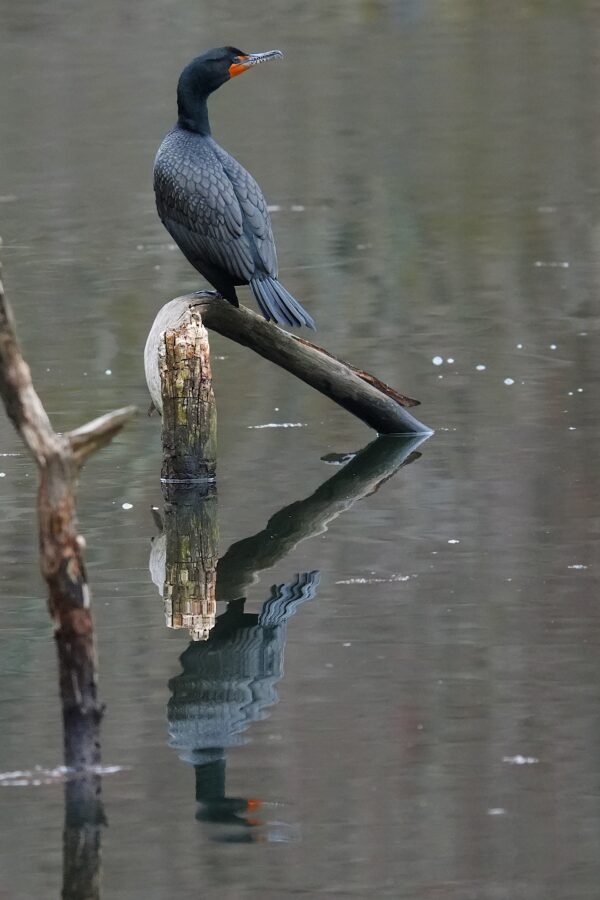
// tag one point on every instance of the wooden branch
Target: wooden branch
(59, 458)
(189, 422)
(96, 434)
(23, 406)
(376, 404)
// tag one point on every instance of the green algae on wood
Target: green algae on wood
(189, 413)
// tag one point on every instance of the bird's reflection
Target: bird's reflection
(227, 683)
(229, 670)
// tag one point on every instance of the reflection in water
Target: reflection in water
(440, 150)
(84, 819)
(229, 671)
(227, 683)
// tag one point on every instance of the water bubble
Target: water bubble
(480, 367)
(450, 361)
(454, 541)
(553, 346)
(519, 346)
(509, 381)
(2, 474)
(127, 506)
(437, 360)
(108, 371)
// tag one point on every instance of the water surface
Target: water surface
(428, 726)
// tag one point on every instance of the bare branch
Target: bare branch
(23, 405)
(61, 548)
(96, 434)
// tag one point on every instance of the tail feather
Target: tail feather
(277, 304)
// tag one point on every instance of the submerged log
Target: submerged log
(362, 394)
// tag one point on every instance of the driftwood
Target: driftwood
(59, 458)
(372, 401)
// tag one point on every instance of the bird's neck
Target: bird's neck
(193, 114)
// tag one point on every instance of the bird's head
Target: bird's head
(208, 72)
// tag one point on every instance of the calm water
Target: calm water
(433, 729)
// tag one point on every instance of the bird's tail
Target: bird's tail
(277, 305)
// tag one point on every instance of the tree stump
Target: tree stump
(187, 402)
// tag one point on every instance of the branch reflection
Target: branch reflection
(231, 667)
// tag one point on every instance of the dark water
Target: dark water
(435, 172)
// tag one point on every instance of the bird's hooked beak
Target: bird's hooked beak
(252, 59)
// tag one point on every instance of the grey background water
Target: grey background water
(435, 172)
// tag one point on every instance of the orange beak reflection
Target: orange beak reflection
(253, 59)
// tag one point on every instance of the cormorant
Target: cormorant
(212, 208)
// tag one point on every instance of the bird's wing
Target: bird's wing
(197, 203)
(257, 221)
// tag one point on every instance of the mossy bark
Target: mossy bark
(189, 425)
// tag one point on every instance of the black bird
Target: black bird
(212, 208)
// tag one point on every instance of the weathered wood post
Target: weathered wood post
(189, 412)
